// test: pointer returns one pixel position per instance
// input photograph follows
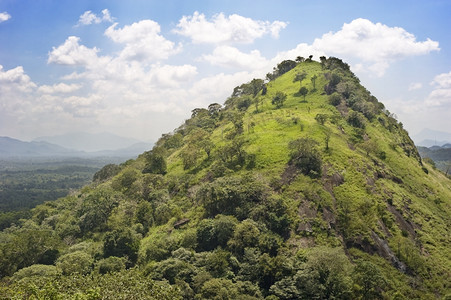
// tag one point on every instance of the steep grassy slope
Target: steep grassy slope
(271, 196)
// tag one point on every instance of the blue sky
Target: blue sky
(137, 68)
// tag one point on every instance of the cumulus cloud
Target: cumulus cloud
(143, 41)
(172, 76)
(135, 85)
(226, 30)
(72, 53)
(4, 16)
(15, 80)
(441, 95)
(373, 43)
(60, 88)
(16, 90)
(88, 18)
(227, 56)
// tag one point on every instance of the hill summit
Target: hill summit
(300, 187)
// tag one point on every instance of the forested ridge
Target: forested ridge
(301, 186)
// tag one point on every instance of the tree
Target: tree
(256, 85)
(335, 99)
(155, 161)
(110, 264)
(144, 214)
(368, 279)
(214, 109)
(323, 61)
(356, 119)
(327, 139)
(305, 156)
(313, 79)
(121, 243)
(299, 77)
(77, 262)
(299, 59)
(246, 234)
(334, 79)
(303, 92)
(285, 66)
(321, 118)
(279, 99)
(325, 275)
(189, 156)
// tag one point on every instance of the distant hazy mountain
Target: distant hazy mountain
(428, 138)
(436, 153)
(133, 150)
(11, 147)
(90, 142)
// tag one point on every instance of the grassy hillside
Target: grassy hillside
(282, 193)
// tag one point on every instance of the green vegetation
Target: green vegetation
(437, 157)
(259, 199)
(25, 183)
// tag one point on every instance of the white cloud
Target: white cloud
(217, 88)
(441, 95)
(88, 18)
(415, 86)
(302, 49)
(72, 53)
(376, 44)
(134, 86)
(227, 56)
(62, 88)
(4, 16)
(222, 29)
(16, 90)
(143, 41)
(172, 76)
(442, 80)
(15, 79)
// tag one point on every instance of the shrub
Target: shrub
(334, 99)
(305, 156)
(279, 99)
(356, 119)
(77, 262)
(121, 243)
(111, 264)
(232, 195)
(35, 270)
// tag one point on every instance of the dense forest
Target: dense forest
(27, 182)
(301, 186)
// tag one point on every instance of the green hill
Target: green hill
(439, 157)
(302, 188)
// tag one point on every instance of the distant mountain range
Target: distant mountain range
(428, 138)
(88, 142)
(436, 153)
(10, 147)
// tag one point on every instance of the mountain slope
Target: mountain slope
(302, 188)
